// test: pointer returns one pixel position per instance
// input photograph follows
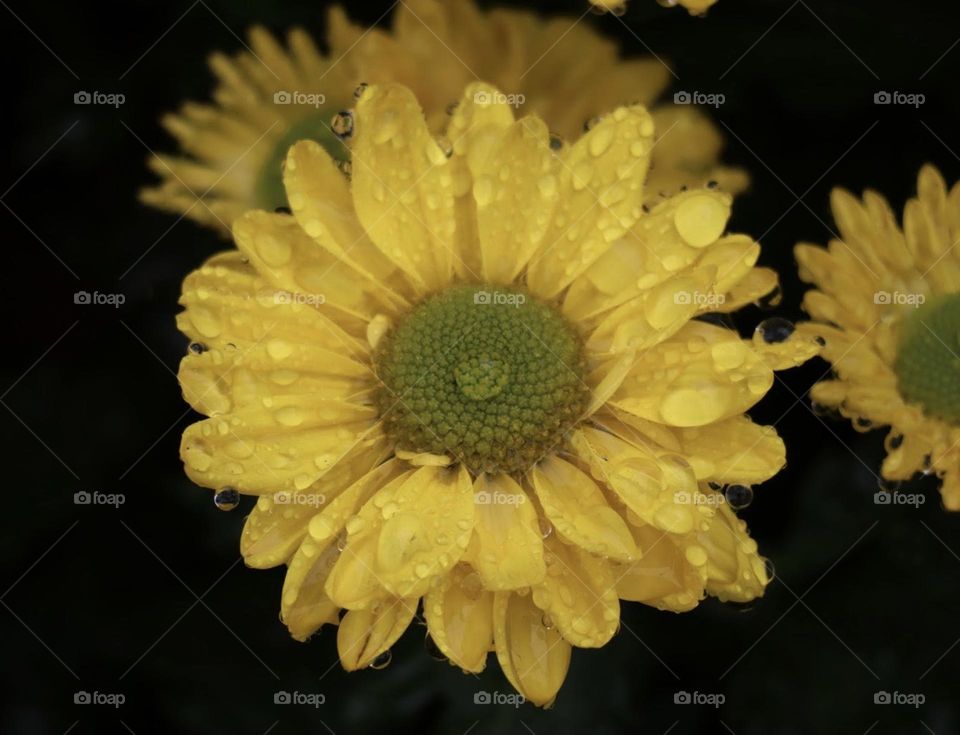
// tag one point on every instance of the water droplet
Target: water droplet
(346, 168)
(556, 142)
(738, 496)
(769, 568)
(382, 661)
(547, 621)
(591, 123)
(342, 124)
(197, 348)
(342, 541)
(361, 88)
(713, 185)
(775, 330)
(227, 499)
(433, 650)
(546, 527)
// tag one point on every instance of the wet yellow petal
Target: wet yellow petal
(459, 613)
(700, 375)
(574, 504)
(515, 190)
(735, 571)
(664, 577)
(364, 635)
(533, 657)
(305, 605)
(426, 530)
(600, 196)
(321, 201)
(733, 451)
(579, 595)
(506, 549)
(285, 446)
(402, 188)
(298, 267)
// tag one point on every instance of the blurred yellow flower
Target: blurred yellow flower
(887, 305)
(470, 375)
(271, 96)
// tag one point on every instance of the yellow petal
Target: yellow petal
(402, 188)
(427, 527)
(353, 582)
(305, 605)
(652, 487)
(735, 571)
(278, 522)
(364, 635)
(576, 507)
(506, 549)
(320, 199)
(700, 375)
(651, 253)
(294, 264)
(600, 194)
(533, 657)
(653, 316)
(579, 594)
(733, 451)
(664, 578)
(459, 615)
(515, 191)
(286, 447)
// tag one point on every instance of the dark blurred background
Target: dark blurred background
(150, 600)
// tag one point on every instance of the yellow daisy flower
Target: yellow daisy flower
(887, 305)
(470, 374)
(270, 97)
(618, 7)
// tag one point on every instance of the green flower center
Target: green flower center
(486, 374)
(315, 125)
(928, 358)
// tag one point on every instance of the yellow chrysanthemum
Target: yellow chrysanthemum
(888, 309)
(618, 7)
(471, 375)
(558, 69)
